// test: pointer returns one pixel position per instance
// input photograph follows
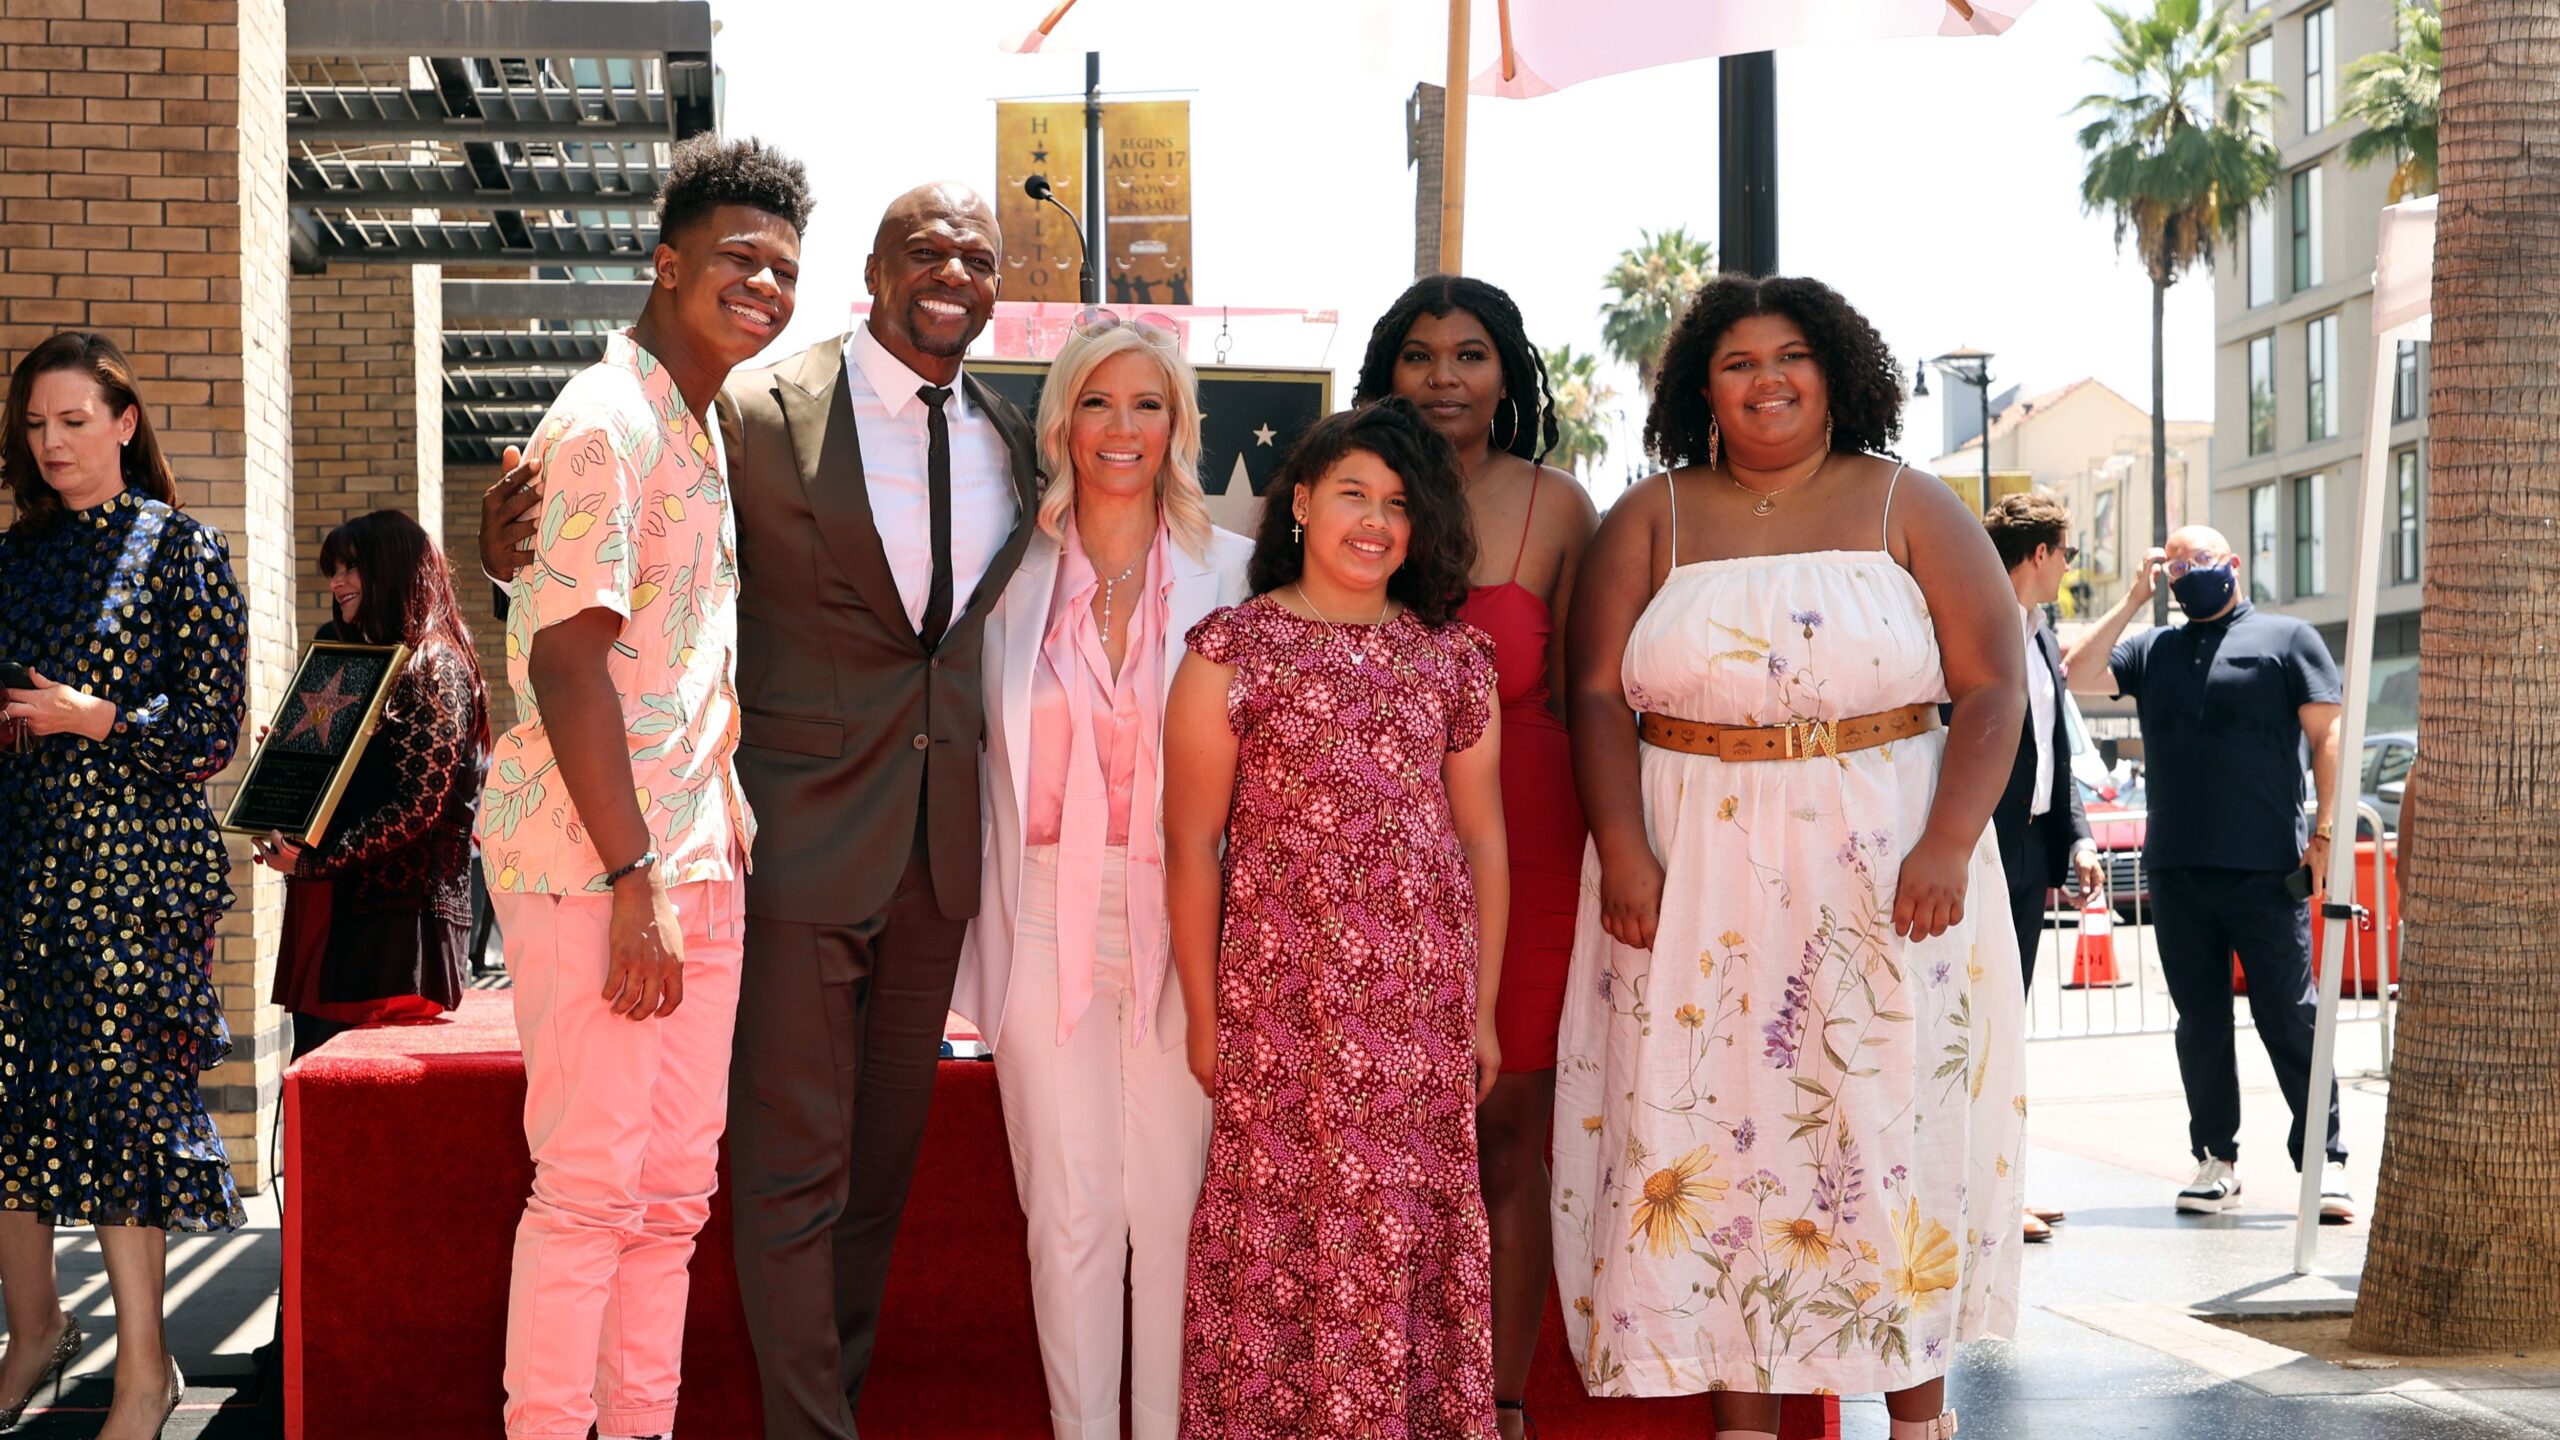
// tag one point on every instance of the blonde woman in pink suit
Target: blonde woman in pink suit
(1066, 969)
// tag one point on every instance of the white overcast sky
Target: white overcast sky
(1934, 182)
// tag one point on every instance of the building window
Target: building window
(2308, 263)
(2404, 382)
(2262, 544)
(2310, 525)
(2404, 519)
(2261, 65)
(2261, 256)
(2262, 394)
(2320, 371)
(2319, 63)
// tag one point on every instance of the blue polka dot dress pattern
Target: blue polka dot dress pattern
(112, 874)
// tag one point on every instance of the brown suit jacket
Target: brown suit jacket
(851, 725)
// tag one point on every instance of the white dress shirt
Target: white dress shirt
(2040, 703)
(890, 420)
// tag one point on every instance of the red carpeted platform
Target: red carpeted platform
(405, 1170)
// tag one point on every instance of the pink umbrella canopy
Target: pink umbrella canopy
(1547, 45)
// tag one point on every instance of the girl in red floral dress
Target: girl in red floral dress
(1336, 737)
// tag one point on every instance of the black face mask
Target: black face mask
(2203, 593)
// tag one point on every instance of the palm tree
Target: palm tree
(2461, 1255)
(2177, 153)
(1582, 403)
(2394, 93)
(1652, 283)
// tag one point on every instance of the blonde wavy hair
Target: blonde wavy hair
(1178, 494)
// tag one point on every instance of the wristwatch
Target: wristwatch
(2325, 830)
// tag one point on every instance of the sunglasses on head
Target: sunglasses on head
(1154, 328)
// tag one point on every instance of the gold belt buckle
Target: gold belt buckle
(1806, 738)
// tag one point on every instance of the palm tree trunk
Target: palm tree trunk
(2465, 1252)
(2159, 437)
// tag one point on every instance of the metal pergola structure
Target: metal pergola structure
(497, 137)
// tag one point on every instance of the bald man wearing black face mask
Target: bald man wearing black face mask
(2229, 703)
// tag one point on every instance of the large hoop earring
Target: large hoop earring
(1515, 425)
(1715, 442)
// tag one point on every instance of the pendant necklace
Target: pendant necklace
(1334, 631)
(1111, 586)
(1769, 498)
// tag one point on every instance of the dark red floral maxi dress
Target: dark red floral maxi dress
(1339, 1264)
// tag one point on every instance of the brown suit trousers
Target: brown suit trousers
(860, 754)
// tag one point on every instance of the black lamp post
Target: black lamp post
(1966, 367)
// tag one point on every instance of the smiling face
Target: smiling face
(735, 273)
(1768, 392)
(76, 437)
(1356, 524)
(346, 592)
(1448, 367)
(1121, 426)
(933, 279)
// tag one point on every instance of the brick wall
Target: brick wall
(142, 194)
(368, 407)
(461, 543)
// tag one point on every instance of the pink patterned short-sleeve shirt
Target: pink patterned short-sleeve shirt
(635, 520)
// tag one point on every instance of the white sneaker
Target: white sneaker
(2337, 1202)
(2215, 1189)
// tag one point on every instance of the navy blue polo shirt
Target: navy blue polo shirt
(2220, 703)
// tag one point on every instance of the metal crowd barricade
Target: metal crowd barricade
(2059, 1009)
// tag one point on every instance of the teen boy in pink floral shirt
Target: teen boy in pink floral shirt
(614, 831)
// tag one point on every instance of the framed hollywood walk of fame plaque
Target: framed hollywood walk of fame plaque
(314, 740)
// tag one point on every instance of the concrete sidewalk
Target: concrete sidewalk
(2110, 1341)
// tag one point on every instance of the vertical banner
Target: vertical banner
(1039, 138)
(1146, 199)
(1146, 159)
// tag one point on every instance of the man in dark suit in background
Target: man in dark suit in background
(883, 499)
(2042, 829)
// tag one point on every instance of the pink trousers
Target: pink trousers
(624, 1118)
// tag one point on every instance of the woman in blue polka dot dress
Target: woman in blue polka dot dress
(112, 875)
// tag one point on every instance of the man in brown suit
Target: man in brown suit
(883, 498)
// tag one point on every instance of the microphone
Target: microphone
(1038, 188)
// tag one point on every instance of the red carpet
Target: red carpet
(405, 1171)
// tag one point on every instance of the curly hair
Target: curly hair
(707, 172)
(1524, 370)
(1866, 388)
(1432, 582)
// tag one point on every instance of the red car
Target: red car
(2119, 841)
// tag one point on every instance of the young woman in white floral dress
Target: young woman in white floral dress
(1788, 1098)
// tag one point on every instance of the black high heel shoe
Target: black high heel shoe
(1528, 1427)
(65, 1350)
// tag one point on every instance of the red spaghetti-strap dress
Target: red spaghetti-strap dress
(1542, 818)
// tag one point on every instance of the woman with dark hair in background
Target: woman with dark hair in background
(1457, 349)
(1789, 1103)
(386, 894)
(123, 613)
(1335, 880)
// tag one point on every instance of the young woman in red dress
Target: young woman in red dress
(1457, 349)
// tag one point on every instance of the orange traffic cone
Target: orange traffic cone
(2093, 960)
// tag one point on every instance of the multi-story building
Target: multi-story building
(2293, 317)
(2092, 448)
